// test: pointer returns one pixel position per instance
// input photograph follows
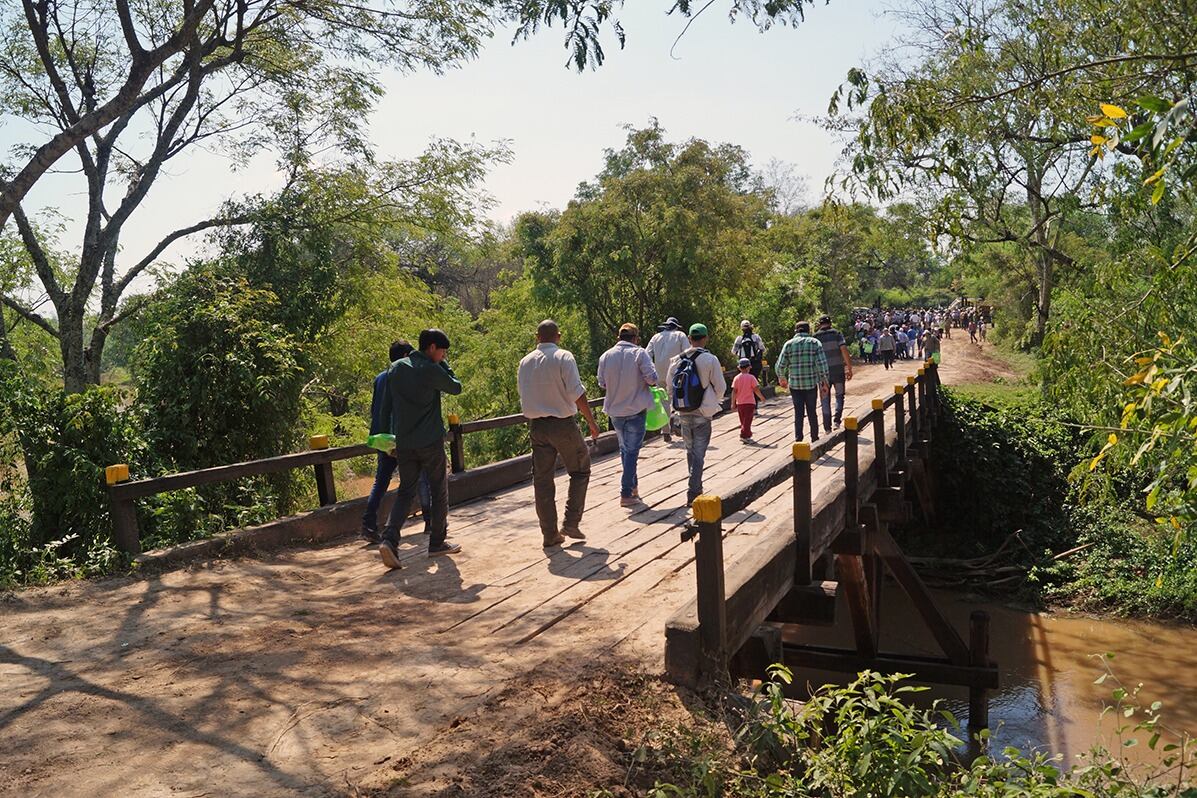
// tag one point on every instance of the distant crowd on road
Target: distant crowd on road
(813, 364)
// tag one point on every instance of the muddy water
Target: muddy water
(1047, 698)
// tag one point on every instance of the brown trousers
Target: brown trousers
(552, 437)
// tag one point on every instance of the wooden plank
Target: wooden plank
(809, 605)
(206, 476)
(943, 631)
(924, 669)
(326, 484)
(850, 570)
(125, 534)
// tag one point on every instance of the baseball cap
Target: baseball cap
(824, 320)
(698, 331)
(746, 323)
(745, 362)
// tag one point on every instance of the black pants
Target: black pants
(887, 356)
(430, 460)
(805, 401)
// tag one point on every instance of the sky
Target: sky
(723, 82)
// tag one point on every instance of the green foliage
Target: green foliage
(865, 740)
(54, 518)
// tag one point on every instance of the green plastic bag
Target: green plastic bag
(935, 357)
(383, 442)
(658, 416)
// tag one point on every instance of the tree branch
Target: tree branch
(160, 247)
(29, 315)
(41, 263)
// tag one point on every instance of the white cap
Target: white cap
(746, 323)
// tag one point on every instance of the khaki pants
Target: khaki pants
(551, 437)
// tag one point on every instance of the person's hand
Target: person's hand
(782, 382)
(848, 375)
(594, 431)
(824, 388)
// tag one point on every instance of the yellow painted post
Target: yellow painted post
(712, 609)
(125, 534)
(851, 469)
(879, 458)
(802, 512)
(900, 423)
(326, 484)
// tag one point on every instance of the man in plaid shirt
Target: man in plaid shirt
(802, 367)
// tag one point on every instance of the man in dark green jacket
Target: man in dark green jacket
(413, 405)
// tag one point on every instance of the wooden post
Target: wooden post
(326, 485)
(978, 649)
(911, 392)
(924, 420)
(900, 423)
(879, 458)
(802, 510)
(125, 534)
(851, 472)
(456, 445)
(712, 611)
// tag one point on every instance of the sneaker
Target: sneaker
(444, 548)
(390, 555)
(573, 532)
(836, 425)
(370, 535)
(626, 501)
(556, 541)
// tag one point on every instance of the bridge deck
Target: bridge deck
(302, 669)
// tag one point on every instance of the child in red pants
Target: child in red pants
(745, 391)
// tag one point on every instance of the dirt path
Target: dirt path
(317, 671)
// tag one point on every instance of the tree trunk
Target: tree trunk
(1039, 214)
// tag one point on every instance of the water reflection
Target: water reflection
(1047, 699)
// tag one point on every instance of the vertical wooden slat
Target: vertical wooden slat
(978, 700)
(802, 512)
(851, 470)
(900, 423)
(125, 534)
(326, 484)
(456, 444)
(880, 466)
(712, 609)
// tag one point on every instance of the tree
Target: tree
(991, 113)
(129, 87)
(665, 229)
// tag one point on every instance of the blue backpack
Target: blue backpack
(688, 390)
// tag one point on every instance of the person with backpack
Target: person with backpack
(696, 388)
(839, 370)
(386, 465)
(412, 402)
(750, 345)
(802, 369)
(669, 342)
(626, 373)
(551, 395)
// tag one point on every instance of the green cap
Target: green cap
(698, 331)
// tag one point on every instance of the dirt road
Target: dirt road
(318, 672)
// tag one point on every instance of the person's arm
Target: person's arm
(737, 345)
(602, 371)
(847, 360)
(584, 407)
(783, 365)
(760, 343)
(717, 379)
(647, 370)
(447, 381)
(821, 369)
(756, 388)
(652, 342)
(388, 404)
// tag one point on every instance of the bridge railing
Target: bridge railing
(464, 483)
(776, 579)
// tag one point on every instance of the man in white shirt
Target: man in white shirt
(696, 423)
(625, 372)
(551, 392)
(668, 343)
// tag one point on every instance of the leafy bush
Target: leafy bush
(54, 519)
(864, 740)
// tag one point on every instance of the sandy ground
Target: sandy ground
(315, 671)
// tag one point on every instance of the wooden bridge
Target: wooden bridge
(290, 671)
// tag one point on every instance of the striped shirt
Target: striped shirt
(802, 363)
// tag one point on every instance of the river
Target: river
(1048, 664)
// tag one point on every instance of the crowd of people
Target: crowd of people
(813, 365)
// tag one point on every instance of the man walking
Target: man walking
(750, 345)
(802, 368)
(839, 370)
(696, 388)
(668, 343)
(625, 372)
(551, 393)
(385, 468)
(413, 404)
(886, 346)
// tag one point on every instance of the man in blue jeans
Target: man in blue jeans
(386, 463)
(802, 368)
(696, 424)
(625, 372)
